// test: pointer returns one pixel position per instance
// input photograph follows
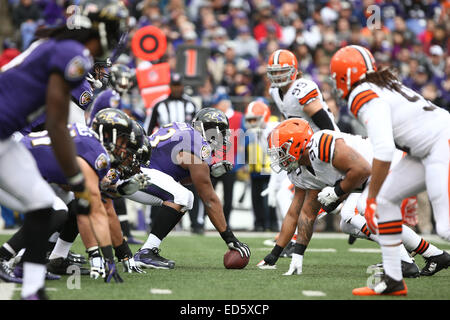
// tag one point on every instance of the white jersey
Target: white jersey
(321, 153)
(300, 93)
(404, 120)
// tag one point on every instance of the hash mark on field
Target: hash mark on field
(365, 250)
(160, 291)
(309, 293)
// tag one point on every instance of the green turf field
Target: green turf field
(330, 272)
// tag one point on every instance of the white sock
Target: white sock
(61, 249)
(414, 242)
(391, 261)
(152, 242)
(33, 278)
(432, 251)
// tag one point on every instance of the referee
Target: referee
(176, 107)
(179, 107)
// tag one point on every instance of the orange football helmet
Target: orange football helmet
(349, 65)
(287, 143)
(257, 114)
(282, 68)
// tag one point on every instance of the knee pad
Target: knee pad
(185, 199)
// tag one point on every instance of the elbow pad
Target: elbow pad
(322, 119)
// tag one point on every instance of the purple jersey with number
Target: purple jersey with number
(24, 80)
(170, 140)
(106, 99)
(81, 95)
(87, 145)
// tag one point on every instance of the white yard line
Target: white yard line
(308, 249)
(365, 250)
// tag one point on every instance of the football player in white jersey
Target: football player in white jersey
(339, 164)
(296, 96)
(396, 116)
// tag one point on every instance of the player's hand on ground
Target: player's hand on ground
(296, 265)
(97, 268)
(111, 272)
(268, 262)
(129, 265)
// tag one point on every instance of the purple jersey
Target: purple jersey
(106, 99)
(81, 95)
(24, 80)
(87, 145)
(170, 140)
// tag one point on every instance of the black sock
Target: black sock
(5, 254)
(166, 219)
(125, 226)
(36, 229)
(69, 230)
(107, 252)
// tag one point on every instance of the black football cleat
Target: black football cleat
(76, 258)
(387, 286)
(64, 266)
(435, 264)
(150, 258)
(351, 239)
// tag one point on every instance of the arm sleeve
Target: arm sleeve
(376, 116)
(322, 120)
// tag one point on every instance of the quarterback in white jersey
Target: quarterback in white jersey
(396, 116)
(296, 96)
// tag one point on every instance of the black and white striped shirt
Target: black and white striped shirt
(170, 110)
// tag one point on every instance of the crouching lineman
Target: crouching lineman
(396, 116)
(182, 154)
(341, 173)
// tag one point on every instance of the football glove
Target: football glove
(97, 267)
(129, 265)
(234, 244)
(296, 265)
(370, 215)
(137, 182)
(271, 194)
(220, 168)
(111, 272)
(327, 196)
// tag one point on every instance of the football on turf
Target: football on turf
(232, 260)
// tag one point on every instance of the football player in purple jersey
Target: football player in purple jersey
(55, 63)
(182, 154)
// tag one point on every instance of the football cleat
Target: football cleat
(76, 258)
(288, 250)
(435, 264)
(6, 274)
(63, 266)
(266, 266)
(39, 295)
(387, 286)
(351, 239)
(409, 270)
(150, 258)
(18, 272)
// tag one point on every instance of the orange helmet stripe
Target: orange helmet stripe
(360, 99)
(312, 94)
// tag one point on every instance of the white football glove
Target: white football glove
(97, 268)
(327, 196)
(296, 265)
(271, 196)
(129, 265)
(137, 182)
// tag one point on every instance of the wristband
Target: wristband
(93, 252)
(338, 190)
(228, 235)
(276, 251)
(299, 248)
